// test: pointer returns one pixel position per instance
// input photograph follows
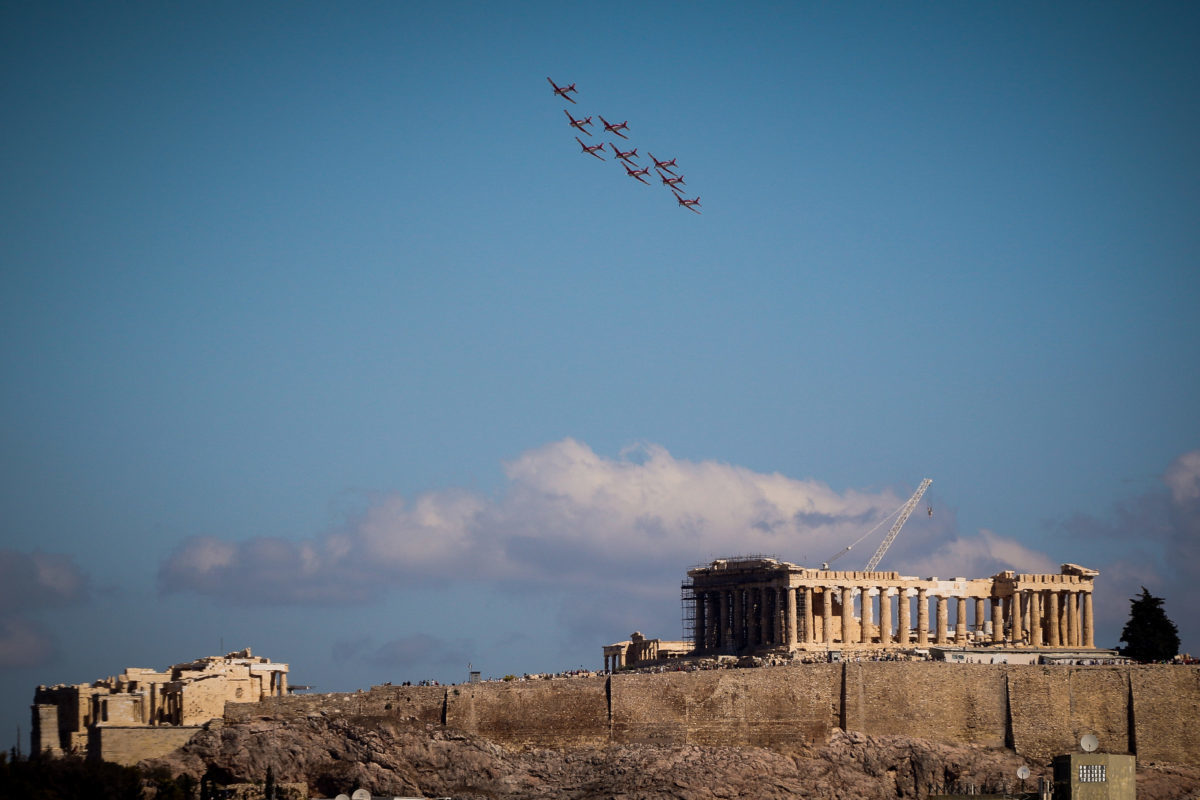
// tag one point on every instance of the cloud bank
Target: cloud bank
(570, 518)
(577, 525)
(31, 582)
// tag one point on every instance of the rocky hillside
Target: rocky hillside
(390, 756)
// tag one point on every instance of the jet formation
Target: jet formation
(664, 169)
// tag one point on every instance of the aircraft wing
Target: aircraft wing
(560, 92)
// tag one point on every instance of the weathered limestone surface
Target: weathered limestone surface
(129, 745)
(1039, 711)
(569, 712)
(779, 707)
(1100, 706)
(391, 756)
(424, 704)
(1039, 701)
(1166, 707)
(944, 702)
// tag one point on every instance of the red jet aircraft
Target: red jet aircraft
(615, 127)
(562, 90)
(592, 148)
(579, 123)
(637, 173)
(672, 181)
(690, 205)
(628, 155)
(665, 166)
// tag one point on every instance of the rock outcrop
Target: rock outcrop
(391, 756)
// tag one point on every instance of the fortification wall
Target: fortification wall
(566, 712)
(1166, 707)
(779, 707)
(422, 703)
(129, 745)
(944, 702)
(1039, 711)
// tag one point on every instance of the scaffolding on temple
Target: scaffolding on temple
(687, 601)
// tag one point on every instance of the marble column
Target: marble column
(1062, 617)
(847, 613)
(997, 620)
(827, 614)
(867, 617)
(1072, 619)
(960, 621)
(980, 611)
(1035, 619)
(741, 603)
(943, 619)
(767, 618)
(766, 624)
(1052, 619)
(1024, 616)
(922, 617)
(753, 617)
(789, 610)
(903, 624)
(726, 620)
(766, 596)
(810, 634)
(885, 617)
(700, 624)
(714, 620)
(1089, 635)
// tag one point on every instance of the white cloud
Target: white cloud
(978, 556)
(1183, 479)
(39, 580)
(573, 519)
(31, 583)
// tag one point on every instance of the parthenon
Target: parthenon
(759, 604)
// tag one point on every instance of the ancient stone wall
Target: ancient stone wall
(422, 703)
(778, 707)
(567, 712)
(1039, 711)
(1166, 707)
(963, 703)
(129, 745)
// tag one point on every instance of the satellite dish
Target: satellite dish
(360, 794)
(1089, 743)
(1022, 772)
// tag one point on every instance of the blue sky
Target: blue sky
(320, 335)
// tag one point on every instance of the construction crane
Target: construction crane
(900, 520)
(904, 510)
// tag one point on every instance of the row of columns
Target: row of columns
(1050, 618)
(748, 617)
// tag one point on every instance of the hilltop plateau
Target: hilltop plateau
(405, 756)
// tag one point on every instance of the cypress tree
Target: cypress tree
(1149, 635)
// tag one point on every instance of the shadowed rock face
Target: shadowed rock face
(398, 757)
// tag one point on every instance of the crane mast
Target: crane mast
(904, 514)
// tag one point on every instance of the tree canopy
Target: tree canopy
(1149, 635)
